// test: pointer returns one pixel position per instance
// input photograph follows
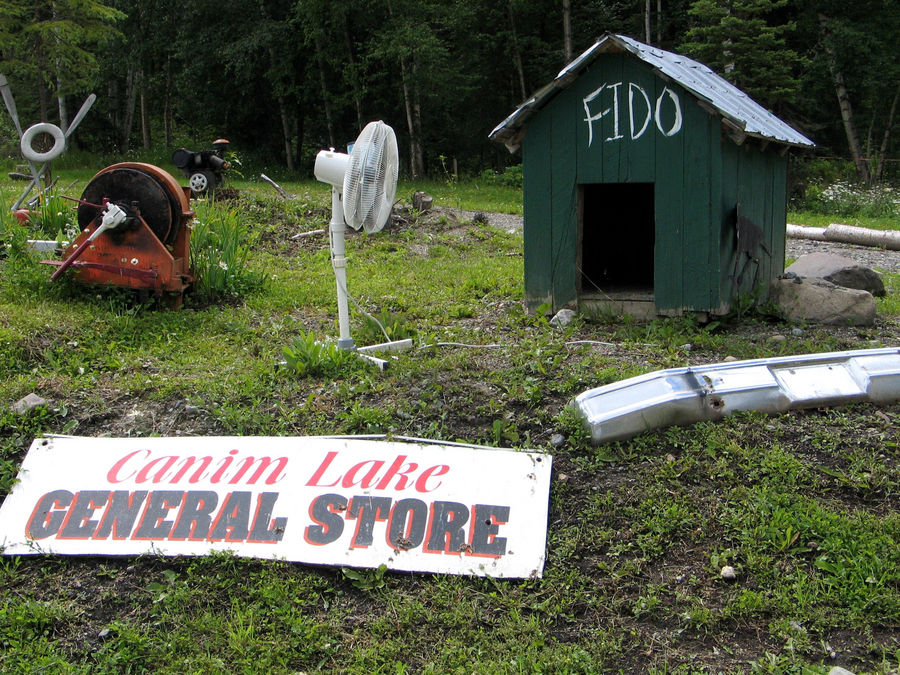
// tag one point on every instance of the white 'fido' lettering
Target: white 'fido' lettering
(643, 105)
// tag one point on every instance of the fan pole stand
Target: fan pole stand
(363, 185)
(337, 229)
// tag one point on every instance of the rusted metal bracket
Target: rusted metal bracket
(681, 396)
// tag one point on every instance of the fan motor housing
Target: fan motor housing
(150, 250)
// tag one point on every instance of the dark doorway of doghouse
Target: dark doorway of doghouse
(617, 229)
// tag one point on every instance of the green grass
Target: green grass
(819, 220)
(803, 506)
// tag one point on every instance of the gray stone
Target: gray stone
(557, 440)
(728, 573)
(820, 301)
(26, 403)
(796, 331)
(837, 670)
(562, 318)
(838, 270)
(777, 338)
(729, 359)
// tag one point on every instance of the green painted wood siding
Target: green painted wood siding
(620, 122)
(755, 180)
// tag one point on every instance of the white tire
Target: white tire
(59, 142)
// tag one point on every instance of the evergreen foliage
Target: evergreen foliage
(283, 78)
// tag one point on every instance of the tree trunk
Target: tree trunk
(354, 80)
(282, 106)
(567, 30)
(131, 87)
(286, 131)
(42, 89)
(413, 113)
(61, 102)
(167, 105)
(416, 141)
(323, 85)
(112, 94)
(299, 120)
(517, 54)
(658, 22)
(862, 165)
(145, 118)
(647, 22)
(879, 170)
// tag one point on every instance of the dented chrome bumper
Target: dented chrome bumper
(681, 396)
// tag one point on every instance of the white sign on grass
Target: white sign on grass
(331, 501)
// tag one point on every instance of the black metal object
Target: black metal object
(750, 238)
(205, 169)
(138, 193)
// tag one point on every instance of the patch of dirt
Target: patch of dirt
(464, 403)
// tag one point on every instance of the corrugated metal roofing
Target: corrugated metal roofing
(738, 110)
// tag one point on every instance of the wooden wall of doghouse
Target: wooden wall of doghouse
(633, 186)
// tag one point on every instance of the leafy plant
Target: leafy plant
(511, 176)
(219, 254)
(308, 357)
(365, 419)
(844, 198)
(365, 580)
(385, 326)
(56, 219)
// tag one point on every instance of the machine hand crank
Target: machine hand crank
(134, 232)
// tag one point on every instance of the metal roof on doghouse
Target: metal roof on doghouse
(740, 112)
(649, 181)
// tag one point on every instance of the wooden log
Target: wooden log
(848, 234)
(863, 236)
(800, 232)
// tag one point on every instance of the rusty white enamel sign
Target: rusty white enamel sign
(343, 501)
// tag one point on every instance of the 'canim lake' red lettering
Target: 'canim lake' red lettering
(143, 466)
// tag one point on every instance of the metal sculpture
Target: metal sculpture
(27, 137)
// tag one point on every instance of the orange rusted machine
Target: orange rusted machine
(135, 233)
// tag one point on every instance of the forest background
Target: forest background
(282, 79)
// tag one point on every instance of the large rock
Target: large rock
(819, 301)
(838, 270)
(27, 403)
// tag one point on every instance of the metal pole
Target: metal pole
(337, 228)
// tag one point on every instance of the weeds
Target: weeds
(220, 248)
(385, 326)
(366, 580)
(803, 506)
(306, 356)
(842, 198)
(55, 219)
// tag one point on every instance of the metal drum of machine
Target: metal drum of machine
(135, 233)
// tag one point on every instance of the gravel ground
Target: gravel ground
(878, 259)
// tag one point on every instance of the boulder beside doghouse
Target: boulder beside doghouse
(838, 270)
(816, 300)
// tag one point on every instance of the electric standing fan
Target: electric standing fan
(363, 185)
